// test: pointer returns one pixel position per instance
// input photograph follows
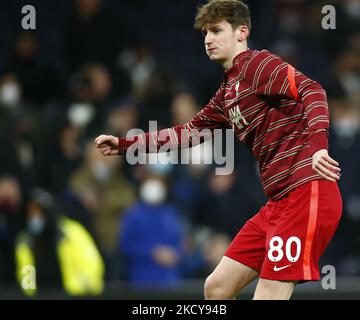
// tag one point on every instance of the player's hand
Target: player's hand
(108, 145)
(325, 166)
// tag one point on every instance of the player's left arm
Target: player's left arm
(270, 75)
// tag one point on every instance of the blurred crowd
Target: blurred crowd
(106, 66)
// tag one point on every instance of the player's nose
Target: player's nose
(208, 39)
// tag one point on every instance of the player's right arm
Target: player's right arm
(181, 136)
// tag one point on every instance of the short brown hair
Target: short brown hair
(234, 12)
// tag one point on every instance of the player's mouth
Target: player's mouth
(211, 50)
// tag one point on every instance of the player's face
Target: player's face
(220, 41)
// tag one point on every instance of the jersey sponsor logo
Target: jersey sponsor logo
(237, 118)
(237, 93)
(276, 268)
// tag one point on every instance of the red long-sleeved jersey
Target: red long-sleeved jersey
(279, 113)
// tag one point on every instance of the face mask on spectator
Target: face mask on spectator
(36, 224)
(9, 94)
(81, 114)
(100, 171)
(153, 192)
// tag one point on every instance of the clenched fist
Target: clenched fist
(108, 145)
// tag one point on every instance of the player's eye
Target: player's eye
(204, 32)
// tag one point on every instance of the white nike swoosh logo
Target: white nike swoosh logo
(281, 268)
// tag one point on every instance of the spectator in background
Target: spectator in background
(10, 95)
(187, 183)
(140, 64)
(286, 18)
(60, 158)
(62, 252)
(96, 35)
(151, 238)
(39, 79)
(91, 89)
(11, 204)
(122, 116)
(105, 192)
(347, 72)
(222, 195)
(183, 107)
(158, 93)
(19, 143)
(100, 81)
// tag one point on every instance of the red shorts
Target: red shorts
(286, 238)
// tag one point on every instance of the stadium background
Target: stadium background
(105, 66)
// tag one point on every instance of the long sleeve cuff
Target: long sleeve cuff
(319, 141)
(124, 144)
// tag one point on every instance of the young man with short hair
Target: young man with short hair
(282, 117)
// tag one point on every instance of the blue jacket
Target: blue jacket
(143, 228)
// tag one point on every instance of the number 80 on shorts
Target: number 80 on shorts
(276, 249)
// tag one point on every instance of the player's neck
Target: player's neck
(239, 49)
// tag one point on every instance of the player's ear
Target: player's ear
(242, 33)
